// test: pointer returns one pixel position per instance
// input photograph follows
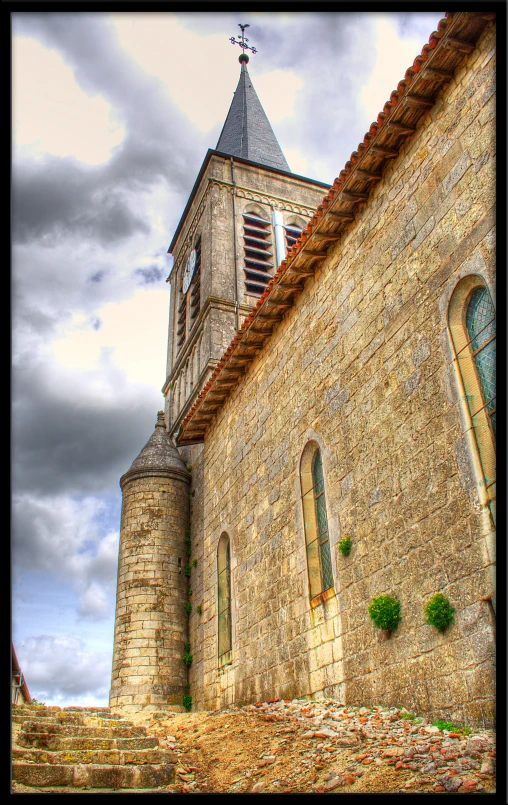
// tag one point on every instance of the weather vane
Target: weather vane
(243, 56)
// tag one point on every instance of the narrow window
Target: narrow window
(224, 600)
(182, 319)
(195, 290)
(472, 320)
(257, 235)
(317, 541)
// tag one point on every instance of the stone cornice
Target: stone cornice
(174, 473)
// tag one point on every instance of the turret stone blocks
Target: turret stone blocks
(151, 622)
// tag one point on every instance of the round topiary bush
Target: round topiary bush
(439, 612)
(384, 611)
(345, 546)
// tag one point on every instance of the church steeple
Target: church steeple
(247, 131)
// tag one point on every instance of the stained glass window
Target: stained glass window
(481, 329)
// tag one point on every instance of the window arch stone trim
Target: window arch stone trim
(313, 442)
(476, 268)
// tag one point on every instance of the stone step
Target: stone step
(56, 718)
(41, 740)
(102, 757)
(55, 728)
(92, 776)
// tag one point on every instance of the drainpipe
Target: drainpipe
(280, 237)
(237, 310)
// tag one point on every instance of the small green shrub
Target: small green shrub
(187, 701)
(187, 570)
(189, 467)
(199, 609)
(439, 612)
(188, 546)
(345, 546)
(451, 727)
(188, 607)
(384, 611)
(194, 563)
(186, 646)
(41, 704)
(187, 658)
(408, 716)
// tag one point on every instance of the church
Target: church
(327, 448)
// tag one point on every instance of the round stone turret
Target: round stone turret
(151, 622)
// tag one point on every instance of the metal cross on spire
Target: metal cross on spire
(243, 57)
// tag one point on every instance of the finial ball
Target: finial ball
(243, 58)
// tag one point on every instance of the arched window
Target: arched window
(472, 321)
(319, 561)
(224, 600)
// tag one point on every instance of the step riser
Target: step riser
(58, 743)
(113, 777)
(78, 731)
(104, 757)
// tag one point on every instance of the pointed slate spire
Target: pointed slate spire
(247, 132)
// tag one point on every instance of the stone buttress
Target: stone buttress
(151, 622)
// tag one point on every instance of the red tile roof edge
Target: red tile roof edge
(335, 188)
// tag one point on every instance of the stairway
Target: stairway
(86, 748)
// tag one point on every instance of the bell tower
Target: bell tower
(245, 209)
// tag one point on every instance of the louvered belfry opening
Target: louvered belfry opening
(258, 253)
(293, 232)
(182, 319)
(195, 289)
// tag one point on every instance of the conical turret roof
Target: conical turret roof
(158, 457)
(247, 131)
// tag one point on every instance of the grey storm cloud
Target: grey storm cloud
(56, 197)
(75, 440)
(150, 274)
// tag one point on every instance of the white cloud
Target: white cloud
(52, 114)
(394, 56)
(134, 331)
(62, 671)
(277, 92)
(164, 47)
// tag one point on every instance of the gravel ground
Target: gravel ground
(322, 746)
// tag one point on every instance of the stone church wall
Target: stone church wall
(363, 365)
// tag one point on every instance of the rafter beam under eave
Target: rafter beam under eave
(324, 237)
(436, 72)
(417, 102)
(387, 153)
(352, 195)
(340, 217)
(399, 128)
(320, 255)
(369, 176)
(273, 302)
(458, 44)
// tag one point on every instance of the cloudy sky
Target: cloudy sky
(112, 116)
